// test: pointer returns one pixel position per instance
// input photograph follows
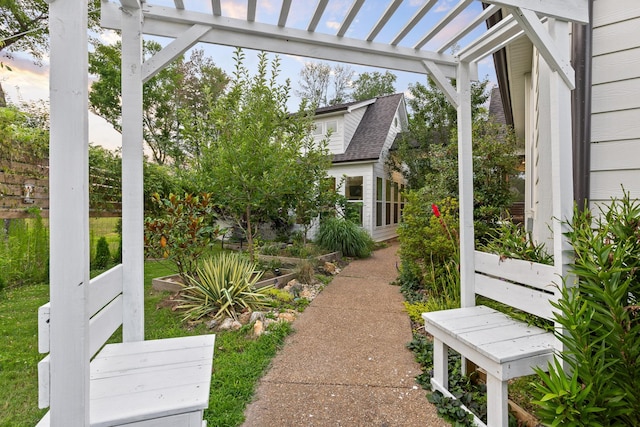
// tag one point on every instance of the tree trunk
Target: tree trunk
(249, 234)
(3, 100)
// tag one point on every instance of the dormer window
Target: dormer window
(323, 128)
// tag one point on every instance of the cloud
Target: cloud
(109, 37)
(334, 25)
(443, 6)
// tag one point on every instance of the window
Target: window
(379, 202)
(317, 129)
(395, 203)
(353, 193)
(332, 126)
(402, 199)
(388, 204)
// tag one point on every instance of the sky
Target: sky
(28, 81)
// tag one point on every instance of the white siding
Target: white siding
(615, 130)
(351, 122)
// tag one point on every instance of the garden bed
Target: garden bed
(173, 282)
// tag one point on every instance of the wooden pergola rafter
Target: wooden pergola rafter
(545, 22)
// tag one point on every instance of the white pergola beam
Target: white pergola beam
(351, 15)
(489, 11)
(251, 10)
(442, 82)
(495, 38)
(391, 9)
(457, 9)
(320, 7)
(177, 47)
(547, 47)
(179, 4)
(131, 4)
(413, 21)
(284, 13)
(566, 10)
(166, 22)
(132, 178)
(216, 9)
(69, 214)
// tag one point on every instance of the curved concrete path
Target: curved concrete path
(347, 363)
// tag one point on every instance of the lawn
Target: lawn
(239, 360)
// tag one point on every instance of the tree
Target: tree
(317, 77)
(262, 155)
(433, 121)
(24, 25)
(176, 93)
(372, 85)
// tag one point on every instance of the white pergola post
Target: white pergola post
(561, 152)
(69, 214)
(132, 173)
(465, 176)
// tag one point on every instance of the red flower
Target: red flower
(435, 210)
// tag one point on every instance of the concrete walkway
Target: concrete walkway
(347, 364)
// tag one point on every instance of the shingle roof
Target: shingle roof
(371, 134)
(496, 108)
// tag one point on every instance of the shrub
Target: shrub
(224, 287)
(338, 234)
(600, 317)
(183, 233)
(24, 251)
(103, 254)
(511, 240)
(305, 271)
(427, 242)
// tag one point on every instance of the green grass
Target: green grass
(106, 227)
(239, 359)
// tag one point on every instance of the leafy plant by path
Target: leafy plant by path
(338, 234)
(224, 286)
(599, 383)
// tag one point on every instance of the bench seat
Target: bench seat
(505, 348)
(156, 383)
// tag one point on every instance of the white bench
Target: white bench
(505, 348)
(155, 383)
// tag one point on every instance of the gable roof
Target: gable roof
(371, 134)
(496, 107)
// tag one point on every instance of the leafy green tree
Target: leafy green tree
(262, 155)
(174, 95)
(372, 85)
(21, 135)
(24, 25)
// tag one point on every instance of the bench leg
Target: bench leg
(497, 402)
(441, 363)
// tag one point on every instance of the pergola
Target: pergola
(544, 22)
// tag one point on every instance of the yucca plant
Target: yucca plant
(224, 286)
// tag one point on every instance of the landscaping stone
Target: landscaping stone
(258, 328)
(212, 324)
(287, 317)
(229, 324)
(255, 316)
(245, 317)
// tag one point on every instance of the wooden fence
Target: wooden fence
(24, 184)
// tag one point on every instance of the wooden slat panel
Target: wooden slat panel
(610, 11)
(540, 276)
(44, 382)
(44, 315)
(104, 288)
(615, 155)
(104, 324)
(615, 126)
(520, 297)
(616, 66)
(619, 36)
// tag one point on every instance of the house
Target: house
(605, 109)
(360, 135)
